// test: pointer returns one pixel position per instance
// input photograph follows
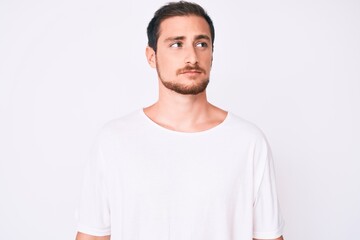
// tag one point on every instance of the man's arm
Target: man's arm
(279, 238)
(83, 236)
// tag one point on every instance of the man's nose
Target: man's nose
(191, 56)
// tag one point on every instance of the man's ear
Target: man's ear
(151, 56)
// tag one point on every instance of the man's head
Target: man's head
(180, 47)
(174, 9)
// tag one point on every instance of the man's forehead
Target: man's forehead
(181, 26)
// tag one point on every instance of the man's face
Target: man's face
(184, 54)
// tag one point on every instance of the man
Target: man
(181, 168)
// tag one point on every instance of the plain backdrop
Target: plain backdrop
(290, 66)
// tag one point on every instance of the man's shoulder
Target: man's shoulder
(131, 118)
(242, 127)
(126, 124)
(135, 123)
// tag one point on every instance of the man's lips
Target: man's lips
(191, 72)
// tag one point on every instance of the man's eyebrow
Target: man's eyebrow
(169, 39)
(202, 36)
(197, 37)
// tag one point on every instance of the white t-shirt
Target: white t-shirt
(145, 182)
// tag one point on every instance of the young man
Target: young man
(181, 168)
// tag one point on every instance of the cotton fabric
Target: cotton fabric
(146, 182)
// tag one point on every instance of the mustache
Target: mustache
(190, 68)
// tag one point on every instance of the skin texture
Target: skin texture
(184, 42)
(183, 62)
(83, 236)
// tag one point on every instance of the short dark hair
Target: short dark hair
(174, 9)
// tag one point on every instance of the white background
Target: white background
(69, 66)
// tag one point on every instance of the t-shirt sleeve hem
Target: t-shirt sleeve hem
(94, 231)
(269, 235)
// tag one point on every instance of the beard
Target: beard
(185, 89)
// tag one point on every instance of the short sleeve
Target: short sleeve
(267, 221)
(93, 214)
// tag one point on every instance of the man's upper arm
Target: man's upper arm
(83, 236)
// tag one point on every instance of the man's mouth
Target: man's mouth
(191, 72)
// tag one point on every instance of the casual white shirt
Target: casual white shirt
(146, 182)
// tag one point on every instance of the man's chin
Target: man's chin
(187, 90)
(190, 92)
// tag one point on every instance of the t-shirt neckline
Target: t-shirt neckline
(206, 131)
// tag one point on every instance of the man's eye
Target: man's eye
(176, 45)
(201, 44)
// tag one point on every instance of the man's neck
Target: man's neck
(184, 113)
